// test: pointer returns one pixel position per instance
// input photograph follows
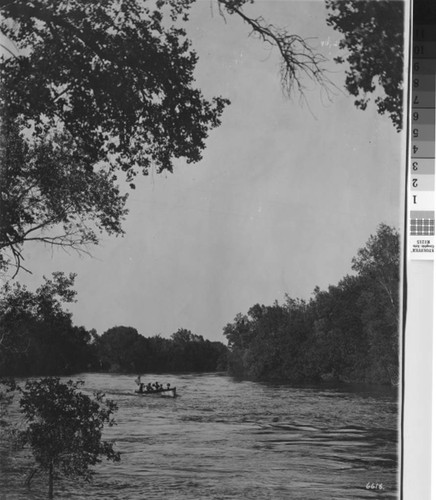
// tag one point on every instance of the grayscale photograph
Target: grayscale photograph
(201, 233)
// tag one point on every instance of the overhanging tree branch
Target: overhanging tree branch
(298, 58)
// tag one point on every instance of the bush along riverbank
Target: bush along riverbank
(347, 333)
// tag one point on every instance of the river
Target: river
(227, 439)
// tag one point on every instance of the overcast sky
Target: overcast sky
(284, 196)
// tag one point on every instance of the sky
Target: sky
(285, 195)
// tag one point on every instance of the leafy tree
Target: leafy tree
(379, 261)
(263, 357)
(338, 341)
(158, 354)
(348, 332)
(49, 184)
(36, 333)
(123, 349)
(191, 352)
(119, 76)
(120, 349)
(378, 266)
(238, 332)
(374, 43)
(184, 336)
(92, 89)
(239, 335)
(64, 430)
(267, 342)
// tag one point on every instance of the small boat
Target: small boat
(167, 393)
(154, 389)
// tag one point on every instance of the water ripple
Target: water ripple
(232, 440)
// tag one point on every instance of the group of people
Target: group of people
(150, 387)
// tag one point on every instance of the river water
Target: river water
(225, 439)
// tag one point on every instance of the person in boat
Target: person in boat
(139, 383)
(149, 387)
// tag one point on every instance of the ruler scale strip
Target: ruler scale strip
(421, 188)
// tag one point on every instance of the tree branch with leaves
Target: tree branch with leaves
(94, 93)
(65, 428)
(373, 48)
(299, 61)
(50, 194)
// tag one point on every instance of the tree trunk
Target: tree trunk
(50, 481)
(30, 476)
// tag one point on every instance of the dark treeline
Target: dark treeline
(124, 349)
(349, 332)
(37, 337)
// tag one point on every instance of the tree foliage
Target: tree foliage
(48, 184)
(64, 428)
(123, 349)
(379, 262)
(7, 391)
(37, 336)
(374, 43)
(115, 75)
(120, 348)
(349, 332)
(92, 89)
(299, 61)
(95, 91)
